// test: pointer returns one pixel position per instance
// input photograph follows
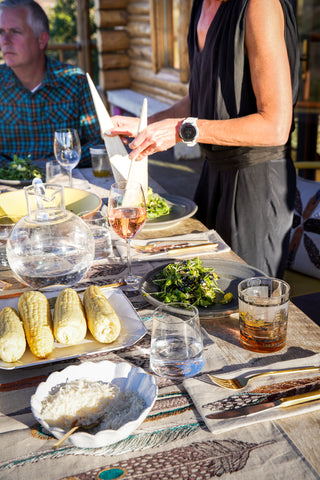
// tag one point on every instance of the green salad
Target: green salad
(156, 205)
(20, 169)
(190, 282)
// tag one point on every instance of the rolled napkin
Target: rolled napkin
(210, 398)
(203, 243)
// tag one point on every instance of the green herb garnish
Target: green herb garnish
(190, 282)
(20, 169)
(156, 205)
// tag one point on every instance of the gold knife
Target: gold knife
(254, 409)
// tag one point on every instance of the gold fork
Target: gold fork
(241, 381)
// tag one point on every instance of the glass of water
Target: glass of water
(6, 226)
(98, 224)
(176, 341)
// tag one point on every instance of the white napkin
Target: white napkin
(119, 158)
(209, 236)
(207, 397)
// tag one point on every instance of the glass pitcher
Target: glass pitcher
(51, 247)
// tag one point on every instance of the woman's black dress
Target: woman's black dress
(245, 193)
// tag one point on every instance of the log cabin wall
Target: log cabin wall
(129, 38)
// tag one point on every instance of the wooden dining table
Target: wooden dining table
(175, 441)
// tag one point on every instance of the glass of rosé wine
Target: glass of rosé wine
(127, 215)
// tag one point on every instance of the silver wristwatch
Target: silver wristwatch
(189, 131)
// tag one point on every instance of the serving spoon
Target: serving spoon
(75, 428)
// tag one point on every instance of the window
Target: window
(169, 27)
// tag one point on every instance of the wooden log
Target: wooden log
(111, 61)
(159, 94)
(185, 10)
(139, 8)
(140, 41)
(83, 35)
(157, 35)
(110, 4)
(111, 18)
(164, 80)
(139, 29)
(114, 79)
(112, 40)
(140, 63)
(138, 52)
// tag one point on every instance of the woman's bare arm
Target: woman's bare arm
(270, 74)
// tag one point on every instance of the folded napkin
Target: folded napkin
(210, 236)
(209, 398)
(121, 164)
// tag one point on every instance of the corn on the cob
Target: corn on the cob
(103, 322)
(12, 337)
(69, 321)
(35, 314)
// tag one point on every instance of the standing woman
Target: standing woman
(244, 64)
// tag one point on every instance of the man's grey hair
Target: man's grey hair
(37, 18)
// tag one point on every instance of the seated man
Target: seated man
(39, 94)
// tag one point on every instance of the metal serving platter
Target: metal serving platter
(132, 330)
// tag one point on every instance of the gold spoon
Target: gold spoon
(73, 429)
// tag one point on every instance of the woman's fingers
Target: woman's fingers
(157, 137)
(123, 126)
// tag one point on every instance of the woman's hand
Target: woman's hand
(123, 126)
(157, 137)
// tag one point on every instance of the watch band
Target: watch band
(189, 131)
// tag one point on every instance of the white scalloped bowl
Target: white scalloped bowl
(122, 374)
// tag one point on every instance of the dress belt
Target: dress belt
(229, 158)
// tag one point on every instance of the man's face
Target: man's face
(18, 43)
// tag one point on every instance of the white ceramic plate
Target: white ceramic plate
(15, 183)
(181, 208)
(122, 374)
(230, 275)
(132, 330)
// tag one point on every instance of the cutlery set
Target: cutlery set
(254, 409)
(240, 382)
(157, 248)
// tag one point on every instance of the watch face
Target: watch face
(188, 132)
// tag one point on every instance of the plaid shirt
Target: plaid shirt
(28, 120)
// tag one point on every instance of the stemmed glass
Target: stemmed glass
(67, 149)
(127, 214)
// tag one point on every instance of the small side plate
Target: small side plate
(181, 208)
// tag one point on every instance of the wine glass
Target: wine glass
(67, 149)
(127, 214)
